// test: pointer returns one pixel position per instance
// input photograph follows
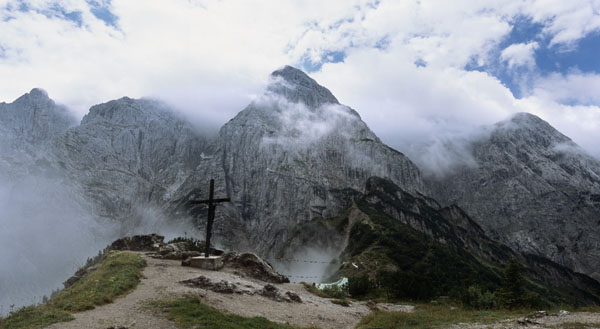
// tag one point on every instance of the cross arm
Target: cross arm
(210, 201)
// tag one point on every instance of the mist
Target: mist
(298, 126)
(309, 265)
(48, 230)
(443, 153)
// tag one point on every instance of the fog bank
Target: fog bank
(47, 231)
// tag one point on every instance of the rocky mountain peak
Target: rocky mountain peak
(128, 111)
(34, 118)
(526, 128)
(37, 98)
(296, 86)
(39, 92)
(534, 189)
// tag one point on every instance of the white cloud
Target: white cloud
(211, 58)
(520, 54)
(574, 87)
(565, 22)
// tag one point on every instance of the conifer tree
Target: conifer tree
(512, 294)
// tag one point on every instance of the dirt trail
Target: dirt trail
(162, 277)
(162, 281)
(547, 322)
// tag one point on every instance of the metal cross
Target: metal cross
(212, 204)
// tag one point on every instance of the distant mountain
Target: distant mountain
(27, 127)
(290, 156)
(534, 189)
(33, 119)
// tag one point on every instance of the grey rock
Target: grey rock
(534, 189)
(150, 242)
(34, 119)
(130, 153)
(27, 128)
(223, 286)
(284, 159)
(293, 296)
(252, 266)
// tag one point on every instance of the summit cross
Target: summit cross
(212, 204)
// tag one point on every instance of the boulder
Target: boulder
(253, 266)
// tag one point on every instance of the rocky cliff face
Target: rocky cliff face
(288, 156)
(533, 189)
(129, 153)
(27, 126)
(33, 119)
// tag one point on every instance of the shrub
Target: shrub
(475, 297)
(329, 292)
(406, 284)
(359, 285)
(192, 244)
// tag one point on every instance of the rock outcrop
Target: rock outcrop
(533, 189)
(251, 265)
(227, 287)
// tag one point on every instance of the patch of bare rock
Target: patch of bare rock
(226, 287)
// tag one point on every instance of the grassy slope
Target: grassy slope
(434, 316)
(437, 263)
(190, 312)
(117, 275)
(443, 267)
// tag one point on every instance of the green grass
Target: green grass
(34, 317)
(343, 302)
(333, 292)
(118, 274)
(190, 312)
(433, 316)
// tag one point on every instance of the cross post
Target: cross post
(212, 204)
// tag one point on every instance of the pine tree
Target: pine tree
(512, 294)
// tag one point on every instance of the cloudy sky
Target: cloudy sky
(415, 70)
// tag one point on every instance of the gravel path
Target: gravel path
(546, 322)
(162, 281)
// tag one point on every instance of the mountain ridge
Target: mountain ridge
(533, 188)
(295, 154)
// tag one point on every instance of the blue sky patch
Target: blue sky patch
(102, 12)
(100, 9)
(420, 63)
(383, 43)
(583, 57)
(328, 57)
(55, 11)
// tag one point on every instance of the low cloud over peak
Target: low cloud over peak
(412, 69)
